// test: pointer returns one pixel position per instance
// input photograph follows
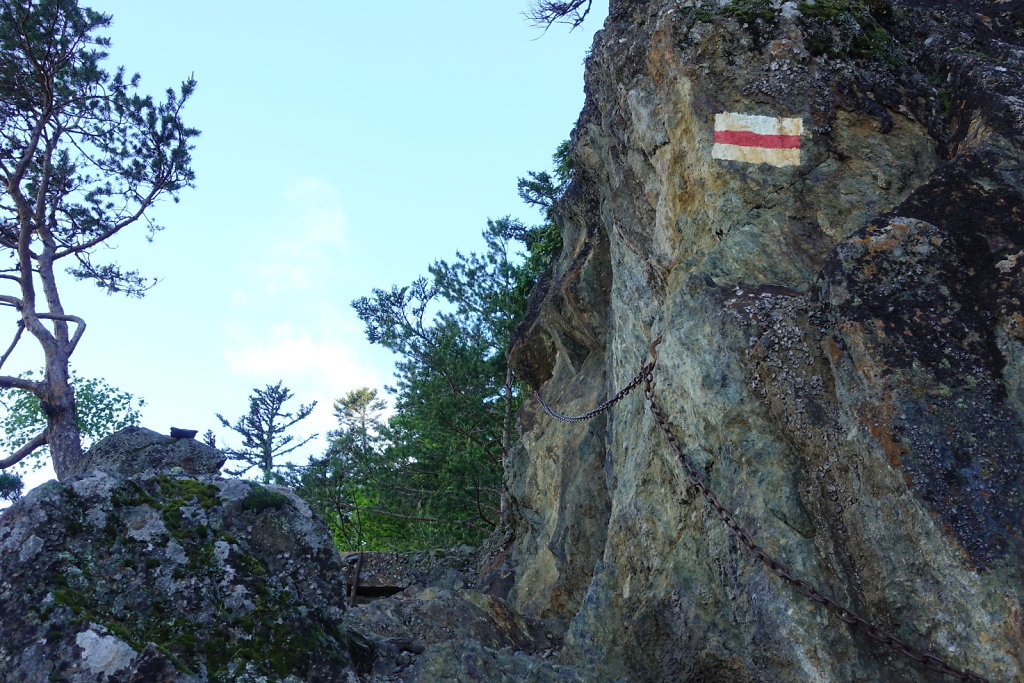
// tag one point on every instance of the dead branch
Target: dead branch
(17, 338)
(25, 450)
(545, 13)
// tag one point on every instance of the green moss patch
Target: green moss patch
(260, 498)
(865, 23)
(749, 10)
(141, 594)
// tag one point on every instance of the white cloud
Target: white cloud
(289, 353)
(289, 318)
(313, 369)
(310, 237)
(318, 212)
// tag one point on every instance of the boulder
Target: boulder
(422, 616)
(129, 572)
(470, 660)
(819, 208)
(134, 450)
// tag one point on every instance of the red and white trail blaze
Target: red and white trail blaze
(757, 139)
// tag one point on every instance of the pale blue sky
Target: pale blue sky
(345, 146)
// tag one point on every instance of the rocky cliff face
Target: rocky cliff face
(819, 208)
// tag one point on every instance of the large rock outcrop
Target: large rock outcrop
(148, 567)
(819, 208)
(145, 566)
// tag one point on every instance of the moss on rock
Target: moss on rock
(203, 584)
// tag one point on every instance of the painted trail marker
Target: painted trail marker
(757, 139)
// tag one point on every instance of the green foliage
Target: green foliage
(106, 150)
(543, 242)
(84, 154)
(344, 484)
(431, 475)
(749, 10)
(10, 486)
(261, 498)
(102, 409)
(263, 431)
(446, 437)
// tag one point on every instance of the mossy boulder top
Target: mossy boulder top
(166, 576)
(135, 450)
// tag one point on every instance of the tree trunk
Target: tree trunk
(506, 446)
(61, 418)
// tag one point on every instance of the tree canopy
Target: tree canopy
(430, 475)
(83, 155)
(345, 485)
(101, 410)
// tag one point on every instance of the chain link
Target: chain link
(634, 383)
(644, 373)
(928, 660)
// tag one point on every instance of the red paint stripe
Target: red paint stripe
(748, 139)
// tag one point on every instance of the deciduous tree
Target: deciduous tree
(101, 409)
(83, 155)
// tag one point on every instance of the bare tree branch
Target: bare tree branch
(37, 441)
(17, 338)
(144, 204)
(545, 13)
(9, 382)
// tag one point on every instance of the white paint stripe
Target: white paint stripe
(757, 155)
(763, 125)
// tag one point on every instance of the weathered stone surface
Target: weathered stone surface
(439, 614)
(470, 660)
(418, 617)
(383, 573)
(135, 450)
(164, 577)
(842, 346)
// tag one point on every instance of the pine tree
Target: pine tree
(263, 428)
(83, 156)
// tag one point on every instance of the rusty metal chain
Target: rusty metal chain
(928, 660)
(644, 373)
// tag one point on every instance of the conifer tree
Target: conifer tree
(455, 397)
(83, 155)
(263, 428)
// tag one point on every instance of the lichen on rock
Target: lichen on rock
(160, 576)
